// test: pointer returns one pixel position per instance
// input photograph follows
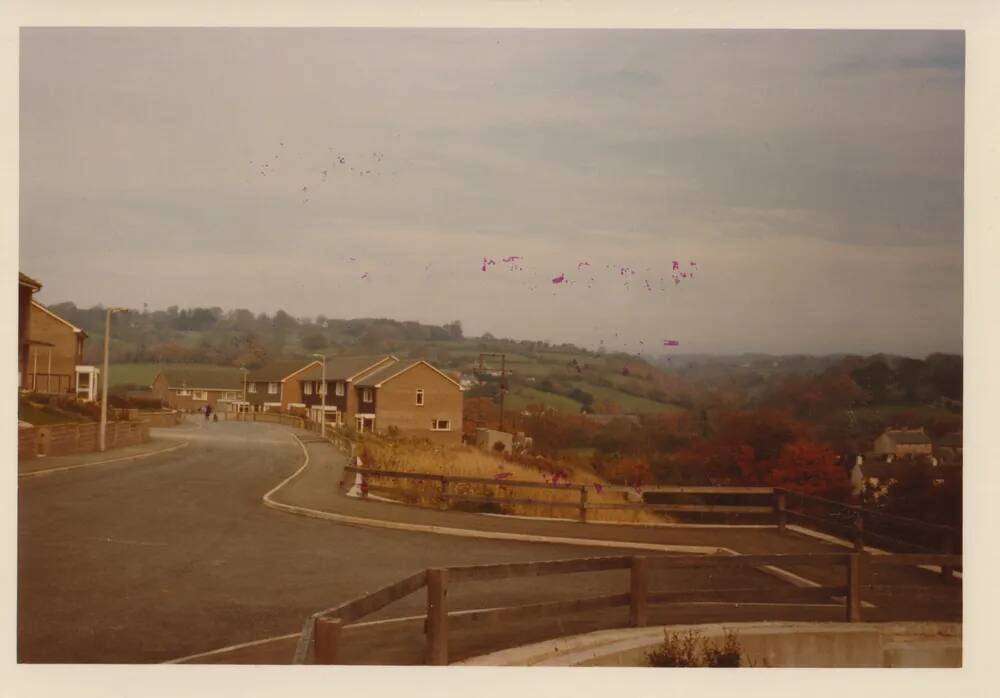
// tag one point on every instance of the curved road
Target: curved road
(175, 554)
(153, 559)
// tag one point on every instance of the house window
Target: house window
(232, 396)
(440, 425)
(366, 395)
(200, 395)
(307, 387)
(339, 390)
(272, 388)
(253, 388)
(183, 392)
(420, 396)
(320, 388)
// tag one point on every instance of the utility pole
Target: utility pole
(106, 378)
(503, 377)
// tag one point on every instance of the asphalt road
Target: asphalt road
(172, 555)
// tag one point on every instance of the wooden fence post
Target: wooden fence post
(443, 497)
(583, 504)
(637, 612)
(364, 485)
(326, 639)
(779, 508)
(859, 529)
(853, 601)
(437, 617)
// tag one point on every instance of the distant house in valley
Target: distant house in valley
(904, 442)
(54, 356)
(189, 388)
(948, 449)
(275, 386)
(382, 393)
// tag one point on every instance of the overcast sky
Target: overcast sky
(813, 178)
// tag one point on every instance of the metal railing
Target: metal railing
(322, 640)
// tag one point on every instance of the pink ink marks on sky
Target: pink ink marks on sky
(671, 343)
(511, 259)
(559, 279)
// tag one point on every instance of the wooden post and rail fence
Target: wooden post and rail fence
(861, 526)
(322, 640)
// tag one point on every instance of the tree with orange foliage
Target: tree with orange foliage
(812, 468)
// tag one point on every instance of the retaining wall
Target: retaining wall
(66, 439)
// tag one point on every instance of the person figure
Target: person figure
(208, 412)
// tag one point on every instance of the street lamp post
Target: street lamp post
(245, 371)
(322, 393)
(106, 378)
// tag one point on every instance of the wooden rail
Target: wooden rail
(322, 635)
(856, 524)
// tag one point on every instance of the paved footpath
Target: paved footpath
(175, 554)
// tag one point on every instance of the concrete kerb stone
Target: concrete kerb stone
(137, 456)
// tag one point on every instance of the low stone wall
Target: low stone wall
(770, 644)
(270, 417)
(163, 418)
(66, 439)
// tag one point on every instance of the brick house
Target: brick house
(190, 388)
(374, 393)
(26, 290)
(276, 387)
(413, 397)
(341, 372)
(54, 351)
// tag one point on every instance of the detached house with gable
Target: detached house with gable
(375, 394)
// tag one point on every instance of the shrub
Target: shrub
(691, 650)
(499, 447)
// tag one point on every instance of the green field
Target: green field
(521, 397)
(630, 404)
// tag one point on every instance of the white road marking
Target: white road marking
(123, 541)
(50, 471)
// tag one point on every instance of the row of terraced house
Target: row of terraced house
(369, 393)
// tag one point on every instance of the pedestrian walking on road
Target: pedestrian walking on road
(208, 412)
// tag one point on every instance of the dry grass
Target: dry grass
(466, 461)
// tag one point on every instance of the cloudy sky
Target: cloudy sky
(814, 178)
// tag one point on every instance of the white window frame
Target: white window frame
(436, 424)
(272, 388)
(419, 397)
(366, 395)
(320, 388)
(184, 392)
(307, 387)
(339, 389)
(252, 388)
(199, 395)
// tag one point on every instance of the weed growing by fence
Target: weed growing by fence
(690, 649)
